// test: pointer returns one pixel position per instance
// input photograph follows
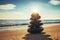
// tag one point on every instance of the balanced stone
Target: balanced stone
(35, 24)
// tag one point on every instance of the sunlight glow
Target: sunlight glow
(34, 7)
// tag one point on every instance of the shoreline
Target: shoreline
(10, 28)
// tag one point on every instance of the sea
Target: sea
(46, 23)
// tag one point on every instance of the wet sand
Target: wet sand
(49, 33)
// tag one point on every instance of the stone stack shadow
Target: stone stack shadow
(41, 36)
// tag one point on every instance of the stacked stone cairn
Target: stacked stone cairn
(35, 24)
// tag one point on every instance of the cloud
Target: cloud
(7, 6)
(54, 2)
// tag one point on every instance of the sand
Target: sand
(49, 33)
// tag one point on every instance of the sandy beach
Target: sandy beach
(49, 33)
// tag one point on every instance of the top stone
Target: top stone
(35, 16)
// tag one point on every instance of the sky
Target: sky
(22, 9)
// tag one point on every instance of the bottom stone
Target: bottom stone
(35, 30)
